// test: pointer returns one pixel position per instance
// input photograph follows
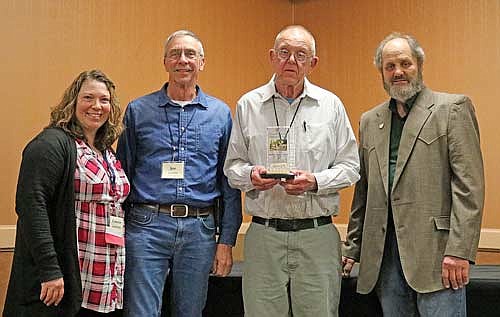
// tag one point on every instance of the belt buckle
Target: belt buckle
(175, 207)
(287, 225)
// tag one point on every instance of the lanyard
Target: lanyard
(293, 119)
(181, 131)
(110, 170)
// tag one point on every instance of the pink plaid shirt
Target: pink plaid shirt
(102, 265)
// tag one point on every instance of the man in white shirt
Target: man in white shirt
(292, 249)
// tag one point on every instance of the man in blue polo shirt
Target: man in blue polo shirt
(173, 151)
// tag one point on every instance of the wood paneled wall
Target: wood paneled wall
(48, 42)
(462, 45)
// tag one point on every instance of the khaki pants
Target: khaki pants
(292, 273)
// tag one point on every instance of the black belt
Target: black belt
(292, 224)
(179, 210)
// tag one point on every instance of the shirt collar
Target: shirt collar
(309, 90)
(164, 99)
(407, 105)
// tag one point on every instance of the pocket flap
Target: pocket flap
(429, 138)
(442, 223)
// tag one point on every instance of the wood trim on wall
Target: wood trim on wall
(490, 238)
(7, 236)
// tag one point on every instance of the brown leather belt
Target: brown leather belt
(179, 210)
(292, 224)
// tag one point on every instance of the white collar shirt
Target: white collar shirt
(321, 140)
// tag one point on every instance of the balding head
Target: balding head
(296, 31)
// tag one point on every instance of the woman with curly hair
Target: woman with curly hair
(69, 256)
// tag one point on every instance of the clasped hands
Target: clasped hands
(303, 181)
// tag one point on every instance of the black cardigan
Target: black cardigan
(46, 246)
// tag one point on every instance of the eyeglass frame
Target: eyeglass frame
(287, 54)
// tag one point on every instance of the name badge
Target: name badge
(115, 231)
(172, 170)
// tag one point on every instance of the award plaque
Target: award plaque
(279, 148)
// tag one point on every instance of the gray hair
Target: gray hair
(178, 33)
(298, 27)
(416, 50)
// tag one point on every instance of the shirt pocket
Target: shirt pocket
(318, 138)
(208, 138)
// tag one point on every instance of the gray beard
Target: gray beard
(404, 93)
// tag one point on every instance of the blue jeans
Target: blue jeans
(397, 298)
(157, 244)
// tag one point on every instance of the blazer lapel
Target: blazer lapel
(382, 146)
(414, 123)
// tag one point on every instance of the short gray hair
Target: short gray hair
(178, 33)
(416, 50)
(298, 27)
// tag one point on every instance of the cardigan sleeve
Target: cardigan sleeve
(41, 171)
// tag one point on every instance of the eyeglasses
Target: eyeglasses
(175, 54)
(299, 56)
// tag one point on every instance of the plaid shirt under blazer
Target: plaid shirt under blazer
(438, 192)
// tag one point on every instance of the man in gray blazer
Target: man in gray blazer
(416, 213)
